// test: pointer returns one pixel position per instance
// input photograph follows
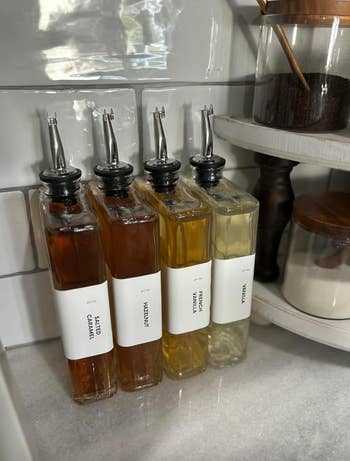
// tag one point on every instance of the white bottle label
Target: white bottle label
(138, 309)
(232, 289)
(85, 321)
(188, 297)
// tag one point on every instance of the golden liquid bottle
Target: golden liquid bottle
(185, 226)
(130, 236)
(78, 277)
(235, 218)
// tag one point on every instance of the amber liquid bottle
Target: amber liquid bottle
(185, 256)
(78, 277)
(130, 236)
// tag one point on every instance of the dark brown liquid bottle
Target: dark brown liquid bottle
(78, 278)
(130, 235)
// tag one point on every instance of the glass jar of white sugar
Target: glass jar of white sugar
(317, 273)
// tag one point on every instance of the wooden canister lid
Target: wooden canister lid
(322, 7)
(327, 214)
(309, 11)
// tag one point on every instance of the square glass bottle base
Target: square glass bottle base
(93, 378)
(140, 366)
(228, 343)
(99, 395)
(186, 354)
(144, 385)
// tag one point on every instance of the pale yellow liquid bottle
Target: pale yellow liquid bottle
(185, 226)
(235, 218)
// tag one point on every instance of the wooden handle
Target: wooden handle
(263, 5)
(290, 55)
(278, 29)
(275, 194)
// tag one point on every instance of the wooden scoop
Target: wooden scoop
(286, 47)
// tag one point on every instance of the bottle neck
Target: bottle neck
(117, 186)
(208, 171)
(64, 192)
(163, 181)
(208, 178)
(61, 205)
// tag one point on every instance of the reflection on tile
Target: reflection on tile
(63, 40)
(78, 112)
(245, 38)
(38, 233)
(16, 248)
(182, 124)
(26, 309)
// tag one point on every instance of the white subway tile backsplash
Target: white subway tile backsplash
(24, 146)
(26, 309)
(182, 124)
(50, 41)
(92, 43)
(38, 233)
(245, 38)
(16, 248)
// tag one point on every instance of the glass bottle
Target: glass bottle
(235, 217)
(78, 277)
(185, 225)
(130, 237)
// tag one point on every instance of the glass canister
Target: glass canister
(312, 37)
(317, 273)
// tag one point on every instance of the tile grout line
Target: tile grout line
(31, 228)
(19, 188)
(15, 274)
(127, 85)
(36, 342)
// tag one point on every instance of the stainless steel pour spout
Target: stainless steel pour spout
(110, 139)
(57, 152)
(207, 132)
(159, 136)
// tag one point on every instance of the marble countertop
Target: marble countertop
(290, 400)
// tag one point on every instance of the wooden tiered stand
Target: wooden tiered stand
(326, 149)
